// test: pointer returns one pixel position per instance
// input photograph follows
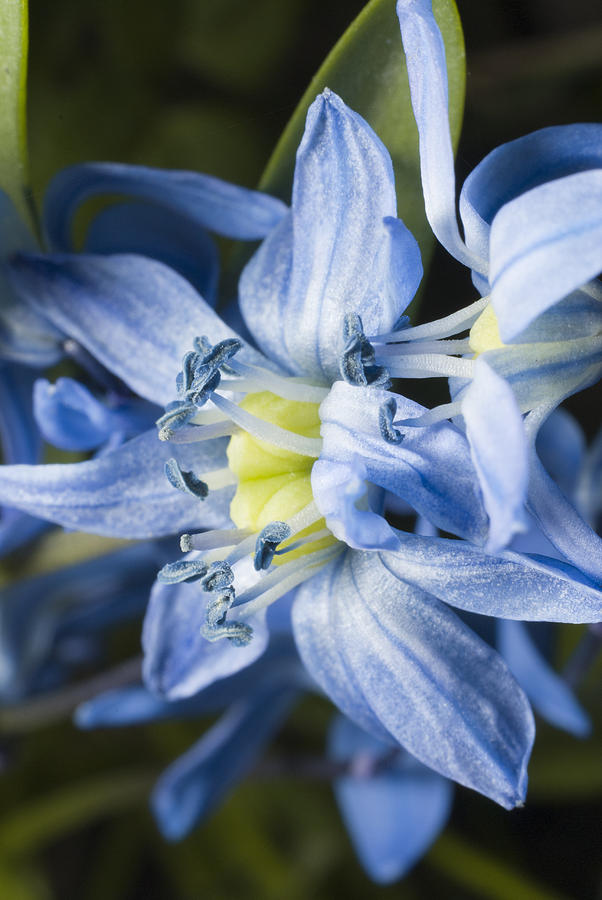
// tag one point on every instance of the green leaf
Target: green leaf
(367, 69)
(13, 78)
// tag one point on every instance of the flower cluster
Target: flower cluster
(282, 450)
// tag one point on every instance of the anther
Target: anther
(386, 414)
(239, 633)
(218, 607)
(176, 415)
(267, 542)
(187, 482)
(182, 570)
(357, 364)
(217, 577)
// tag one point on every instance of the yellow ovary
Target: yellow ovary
(273, 483)
(485, 333)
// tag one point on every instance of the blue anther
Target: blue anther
(187, 482)
(358, 364)
(176, 415)
(218, 607)
(239, 633)
(267, 542)
(190, 363)
(218, 577)
(203, 346)
(182, 570)
(386, 414)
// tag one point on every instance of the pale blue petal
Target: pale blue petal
(427, 74)
(430, 467)
(509, 586)
(498, 447)
(518, 166)
(205, 201)
(191, 788)
(589, 488)
(161, 234)
(543, 245)
(548, 692)
(339, 251)
(122, 494)
(133, 314)
(444, 694)
(394, 815)
(563, 525)
(561, 448)
(578, 315)
(178, 660)
(25, 336)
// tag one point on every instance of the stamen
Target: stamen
(182, 570)
(266, 431)
(187, 482)
(176, 415)
(193, 434)
(218, 607)
(449, 348)
(219, 478)
(257, 379)
(386, 414)
(429, 365)
(440, 328)
(267, 542)
(357, 363)
(218, 576)
(211, 540)
(432, 416)
(314, 537)
(239, 633)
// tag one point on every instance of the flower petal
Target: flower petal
(393, 814)
(561, 447)
(161, 234)
(178, 660)
(443, 693)
(518, 166)
(550, 695)
(133, 314)
(543, 245)
(122, 494)
(509, 586)
(205, 201)
(498, 447)
(427, 74)
(190, 789)
(339, 251)
(430, 467)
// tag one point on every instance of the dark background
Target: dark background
(208, 85)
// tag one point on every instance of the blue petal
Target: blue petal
(444, 694)
(192, 787)
(178, 660)
(589, 488)
(338, 251)
(205, 201)
(427, 74)
(550, 695)
(394, 815)
(132, 706)
(561, 448)
(543, 245)
(509, 586)
(520, 165)
(160, 234)
(498, 447)
(430, 467)
(563, 525)
(122, 494)
(133, 314)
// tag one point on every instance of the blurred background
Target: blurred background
(208, 85)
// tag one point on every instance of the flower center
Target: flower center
(274, 483)
(485, 333)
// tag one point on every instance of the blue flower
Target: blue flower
(273, 442)
(531, 212)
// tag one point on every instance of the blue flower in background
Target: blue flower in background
(533, 229)
(300, 465)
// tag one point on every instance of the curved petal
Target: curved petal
(393, 813)
(122, 494)
(161, 234)
(561, 447)
(589, 487)
(427, 74)
(550, 695)
(205, 201)
(498, 447)
(339, 251)
(429, 467)
(518, 166)
(69, 416)
(190, 789)
(443, 693)
(178, 660)
(133, 314)
(543, 245)
(509, 586)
